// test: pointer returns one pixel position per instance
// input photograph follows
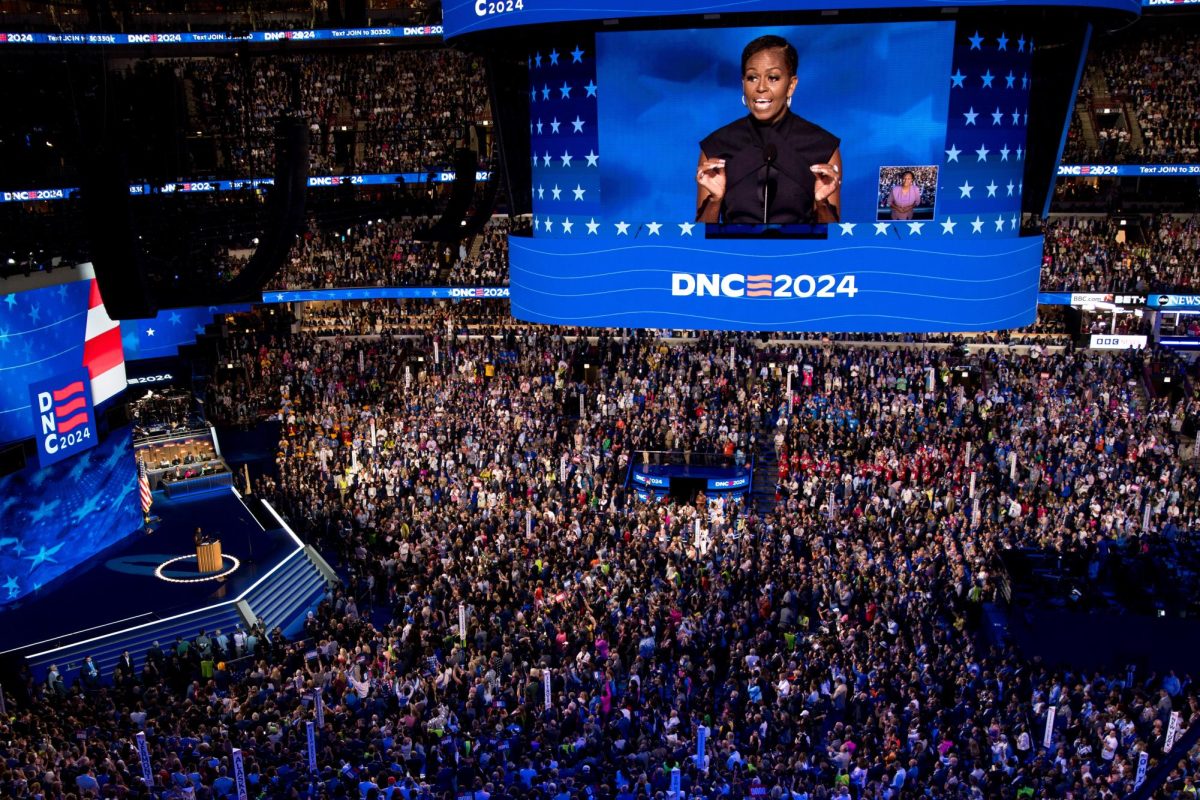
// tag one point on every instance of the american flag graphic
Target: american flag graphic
(144, 486)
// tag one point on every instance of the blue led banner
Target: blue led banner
(472, 16)
(216, 37)
(389, 293)
(1126, 170)
(854, 282)
(202, 187)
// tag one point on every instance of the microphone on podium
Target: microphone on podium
(770, 153)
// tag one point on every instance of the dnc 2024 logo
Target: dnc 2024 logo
(63, 416)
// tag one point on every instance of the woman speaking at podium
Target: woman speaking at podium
(770, 166)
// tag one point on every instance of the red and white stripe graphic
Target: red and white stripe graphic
(103, 354)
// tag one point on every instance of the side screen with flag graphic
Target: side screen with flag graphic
(66, 421)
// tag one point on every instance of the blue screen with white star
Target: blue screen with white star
(163, 335)
(52, 518)
(41, 335)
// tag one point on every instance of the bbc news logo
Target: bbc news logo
(64, 419)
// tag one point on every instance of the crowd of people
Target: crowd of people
(368, 112)
(388, 252)
(827, 639)
(1155, 72)
(1132, 254)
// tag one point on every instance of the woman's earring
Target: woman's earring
(789, 101)
(743, 99)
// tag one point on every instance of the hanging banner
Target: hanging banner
(312, 746)
(1048, 737)
(239, 774)
(546, 686)
(144, 757)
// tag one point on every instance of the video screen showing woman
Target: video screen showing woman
(771, 165)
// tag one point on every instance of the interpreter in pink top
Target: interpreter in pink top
(905, 197)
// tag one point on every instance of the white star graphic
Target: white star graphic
(592, 158)
(1012, 223)
(577, 124)
(591, 89)
(1010, 188)
(847, 228)
(952, 154)
(965, 189)
(971, 115)
(539, 127)
(622, 228)
(567, 225)
(957, 79)
(948, 226)
(1016, 115)
(1002, 42)
(982, 152)
(566, 159)
(566, 91)
(578, 191)
(1019, 151)
(685, 228)
(977, 225)
(1009, 80)
(556, 192)
(537, 60)
(546, 159)
(577, 55)
(654, 228)
(537, 224)
(914, 228)
(593, 227)
(999, 224)
(881, 228)
(554, 125)
(975, 41)
(548, 225)
(997, 116)
(541, 192)
(149, 331)
(991, 187)
(279, 297)
(987, 79)
(1004, 151)
(553, 57)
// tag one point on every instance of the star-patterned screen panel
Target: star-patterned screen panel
(163, 335)
(41, 335)
(53, 518)
(616, 121)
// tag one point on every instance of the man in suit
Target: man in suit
(125, 666)
(89, 673)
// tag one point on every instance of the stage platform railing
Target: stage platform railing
(280, 598)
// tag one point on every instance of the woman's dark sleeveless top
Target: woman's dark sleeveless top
(743, 144)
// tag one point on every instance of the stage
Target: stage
(128, 585)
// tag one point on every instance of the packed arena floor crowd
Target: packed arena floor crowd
(828, 640)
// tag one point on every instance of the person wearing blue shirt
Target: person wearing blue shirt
(224, 785)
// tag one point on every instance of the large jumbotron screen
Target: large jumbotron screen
(885, 197)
